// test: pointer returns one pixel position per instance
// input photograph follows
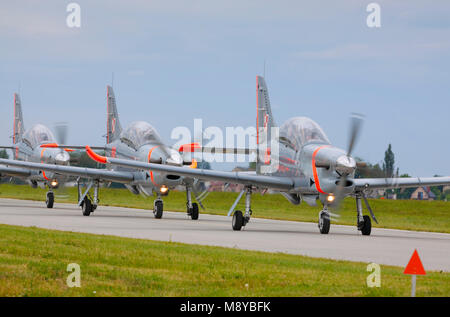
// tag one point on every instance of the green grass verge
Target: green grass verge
(33, 262)
(399, 214)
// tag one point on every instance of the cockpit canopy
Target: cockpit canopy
(140, 133)
(38, 134)
(299, 131)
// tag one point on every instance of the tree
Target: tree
(4, 154)
(204, 165)
(389, 162)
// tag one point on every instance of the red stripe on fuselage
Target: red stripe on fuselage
(149, 156)
(314, 168)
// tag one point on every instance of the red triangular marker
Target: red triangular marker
(415, 266)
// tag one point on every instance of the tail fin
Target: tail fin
(264, 123)
(18, 127)
(113, 127)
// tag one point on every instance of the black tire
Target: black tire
(87, 207)
(367, 227)
(238, 220)
(50, 200)
(194, 211)
(158, 210)
(324, 223)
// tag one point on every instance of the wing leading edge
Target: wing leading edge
(381, 183)
(94, 173)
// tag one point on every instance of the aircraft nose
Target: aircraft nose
(62, 158)
(174, 159)
(345, 164)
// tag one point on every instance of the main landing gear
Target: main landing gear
(239, 219)
(192, 208)
(88, 203)
(364, 223)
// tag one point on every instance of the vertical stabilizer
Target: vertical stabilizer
(113, 127)
(264, 124)
(18, 127)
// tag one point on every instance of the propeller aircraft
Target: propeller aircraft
(295, 159)
(36, 144)
(139, 141)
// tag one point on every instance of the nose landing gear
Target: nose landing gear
(50, 199)
(324, 221)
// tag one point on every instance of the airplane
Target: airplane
(296, 159)
(140, 141)
(35, 145)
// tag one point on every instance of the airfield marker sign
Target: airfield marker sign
(414, 268)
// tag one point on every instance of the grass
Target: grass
(398, 214)
(33, 262)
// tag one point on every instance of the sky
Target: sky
(174, 61)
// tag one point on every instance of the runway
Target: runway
(384, 246)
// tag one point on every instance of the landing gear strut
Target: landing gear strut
(50, 199)
(192, 208)
(363, 222)
(240, 220)
(85, 201)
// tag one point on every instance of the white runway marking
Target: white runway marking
(384, 246)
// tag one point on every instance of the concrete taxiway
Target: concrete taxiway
(384, 246)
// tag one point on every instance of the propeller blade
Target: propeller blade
(339, 194)
(355, 128)
(366, 202)
(61, 129)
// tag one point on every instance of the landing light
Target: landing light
(54, 183)
(163, 189)
(330, 198)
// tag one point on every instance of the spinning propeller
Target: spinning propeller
(346, 165)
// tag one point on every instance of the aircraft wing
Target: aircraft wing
(93, 173)
(280, 183)
(195, 147)
(74, 147)
(14, 171)
(381, 183)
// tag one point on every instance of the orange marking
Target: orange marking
(69, 150)
(113, 151)
(50, 145)
(316, 177)
(149, 156)
(43, 172)
(194, 164)
(95, 156)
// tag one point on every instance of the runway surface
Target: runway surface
(384, 246)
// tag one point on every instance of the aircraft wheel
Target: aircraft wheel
(324, 222)
(158, 209)
(367, 227)
(238, 220)
(194, 211)
(50, 200)
(87, 207)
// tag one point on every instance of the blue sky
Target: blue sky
(174, 61)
